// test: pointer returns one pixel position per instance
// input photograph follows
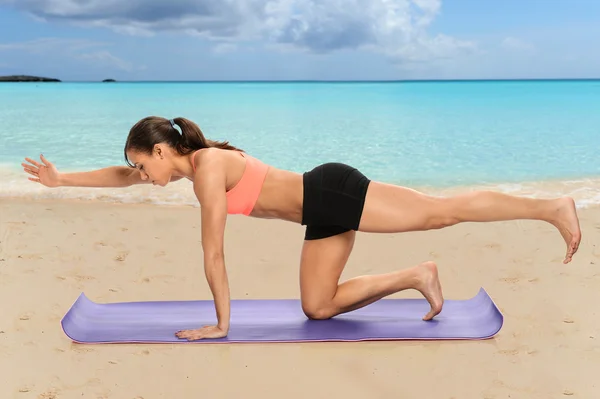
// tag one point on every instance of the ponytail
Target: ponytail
(149, 131)
(192, 137)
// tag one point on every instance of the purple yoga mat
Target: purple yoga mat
(280, 321)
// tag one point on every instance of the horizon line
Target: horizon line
(114, 80)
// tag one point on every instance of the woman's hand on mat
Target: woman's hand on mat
(44, 173)
(200, 333)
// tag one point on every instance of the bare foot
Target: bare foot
(565, 219)
(429, 285)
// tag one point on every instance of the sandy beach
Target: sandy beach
(52, 250)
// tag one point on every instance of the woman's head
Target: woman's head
(154, 140)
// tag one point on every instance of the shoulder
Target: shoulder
(216, 155)
(208, 157)
(209, 161)
(211, 171)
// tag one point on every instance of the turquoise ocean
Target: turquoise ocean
(535, 138)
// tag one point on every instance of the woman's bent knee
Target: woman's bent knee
(317, 312)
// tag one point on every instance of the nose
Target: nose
(144, 175)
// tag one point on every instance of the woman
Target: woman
(333, 200)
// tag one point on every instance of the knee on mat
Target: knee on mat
(317, 312)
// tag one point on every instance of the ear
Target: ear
(159, 151)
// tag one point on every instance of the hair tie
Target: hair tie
(172, 123)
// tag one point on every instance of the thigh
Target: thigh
(321, 265)
(394, 209)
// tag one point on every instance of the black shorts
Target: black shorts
(334, 197)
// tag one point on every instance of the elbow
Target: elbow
(214, 258)
(125, 176)
(129, 177)
(214, 266)
(213, 250)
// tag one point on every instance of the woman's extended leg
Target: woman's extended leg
(321, 266)
(391, 209)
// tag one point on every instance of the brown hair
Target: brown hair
(152, 130)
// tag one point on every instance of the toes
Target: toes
(432, 313)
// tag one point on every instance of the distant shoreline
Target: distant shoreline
(31, 78)
(27, 78)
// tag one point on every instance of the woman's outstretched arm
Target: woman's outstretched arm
(210, 187)
(45, 173)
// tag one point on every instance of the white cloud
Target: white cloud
(396, 28)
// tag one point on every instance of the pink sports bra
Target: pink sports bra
(243, 196)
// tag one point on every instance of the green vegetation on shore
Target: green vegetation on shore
(26, 78)
(30, 78)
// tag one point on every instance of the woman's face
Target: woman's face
(155, 167)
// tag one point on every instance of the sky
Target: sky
(91, 40)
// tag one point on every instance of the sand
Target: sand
(52, 250)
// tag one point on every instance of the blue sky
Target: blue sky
(300, 39)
